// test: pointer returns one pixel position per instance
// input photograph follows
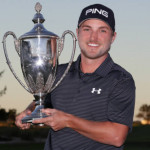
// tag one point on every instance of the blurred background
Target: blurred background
(131, 48)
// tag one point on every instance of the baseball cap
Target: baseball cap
(98, 11)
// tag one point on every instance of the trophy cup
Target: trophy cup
(39, 50)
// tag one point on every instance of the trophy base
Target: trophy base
(29, 119)
(36, 114)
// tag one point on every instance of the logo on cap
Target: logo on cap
(95, 10)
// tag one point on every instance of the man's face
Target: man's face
(95, 38)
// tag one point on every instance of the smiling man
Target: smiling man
(92, 108)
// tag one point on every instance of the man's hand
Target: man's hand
(56, 119)
(18, 121)
(104, 132)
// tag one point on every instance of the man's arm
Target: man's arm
(27, 111)
(120, 109)
(103, 132)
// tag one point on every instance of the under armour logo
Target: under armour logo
(97, 91)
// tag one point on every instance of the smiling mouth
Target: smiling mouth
(93, 45)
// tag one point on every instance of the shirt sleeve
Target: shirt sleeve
(121, 102)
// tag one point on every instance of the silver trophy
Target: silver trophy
(39, 50)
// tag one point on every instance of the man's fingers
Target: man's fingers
(19, 123)
(41, 120)
(48, 111)
(22, 126)
(28, 112)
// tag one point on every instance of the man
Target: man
(93, 106)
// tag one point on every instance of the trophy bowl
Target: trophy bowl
(39, 51)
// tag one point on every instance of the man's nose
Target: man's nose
(94, 36)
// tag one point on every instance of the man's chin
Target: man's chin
(95, 56)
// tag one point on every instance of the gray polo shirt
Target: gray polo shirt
(108, 94)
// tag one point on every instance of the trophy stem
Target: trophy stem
(39, 50)
(36, 114)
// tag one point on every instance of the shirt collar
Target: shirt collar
(102, 70)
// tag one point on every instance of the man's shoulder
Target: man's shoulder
(121, 79)
(62, 67)
(120, 73)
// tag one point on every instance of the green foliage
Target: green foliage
(28, 135)
(144, 112)
(1, 73)
(137, 146)
(12, 114)
(9, 132)
(3, 114)
(138, 139)
(22, 146)
(139, 134)
(2, 92)
(7, 116)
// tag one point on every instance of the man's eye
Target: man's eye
(86, 29)
(104, 31)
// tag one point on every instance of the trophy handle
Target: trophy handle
(16, 42)
(60, 48)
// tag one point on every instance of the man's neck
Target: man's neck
(90, 65)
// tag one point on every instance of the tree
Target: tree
(7, 116)
(144, 112)
(3, 114)
(12, 114)
(2, 92)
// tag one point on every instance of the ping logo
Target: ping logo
(95, 10)
(94, 90)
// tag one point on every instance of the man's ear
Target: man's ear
(114, 37)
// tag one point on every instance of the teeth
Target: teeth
(93, 44)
